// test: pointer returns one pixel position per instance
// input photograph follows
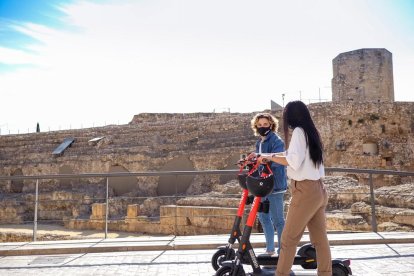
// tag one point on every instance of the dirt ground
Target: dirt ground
(24, 232)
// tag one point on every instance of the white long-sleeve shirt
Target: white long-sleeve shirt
(301, 166)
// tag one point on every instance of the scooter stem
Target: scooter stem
(253, 211)
(242, 203)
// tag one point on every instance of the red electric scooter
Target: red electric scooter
(226, 252)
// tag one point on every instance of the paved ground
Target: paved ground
(375, 259)
(156, 243)
(389, 253)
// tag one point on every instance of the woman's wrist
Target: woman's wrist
(279, 154)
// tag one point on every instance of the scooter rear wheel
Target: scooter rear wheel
(228, 271)
(339, 270)
(220, 256)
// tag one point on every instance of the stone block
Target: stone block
(343, 221)
(152, 227)
(98, 211)
(405, 217)
(132, 211)
(184, 215)
(168, 214)
(193, 220)
(167, 229)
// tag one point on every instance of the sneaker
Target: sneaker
(271, 253)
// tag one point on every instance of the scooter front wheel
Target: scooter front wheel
(228, 271)
(310, 265)
(220, 256)
(309, 252)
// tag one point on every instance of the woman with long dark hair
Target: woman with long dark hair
(304, 161)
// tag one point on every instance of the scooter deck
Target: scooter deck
(264, 259)
(271, 272)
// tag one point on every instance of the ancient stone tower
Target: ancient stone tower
(363, 75)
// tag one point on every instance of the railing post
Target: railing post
(176, 206)
(35, 211)
(106, 208)
(373, 214)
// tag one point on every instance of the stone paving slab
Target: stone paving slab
(11, 245)
(182, 243)
(370, 259)
(212, 241)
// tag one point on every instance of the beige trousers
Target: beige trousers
(307, 208)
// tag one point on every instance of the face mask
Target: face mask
(263, 131)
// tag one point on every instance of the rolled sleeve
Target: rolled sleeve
(279, 146)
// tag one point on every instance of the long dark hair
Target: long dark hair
(296, 114)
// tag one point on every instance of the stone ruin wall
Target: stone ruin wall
(347, 128)
(208, 140)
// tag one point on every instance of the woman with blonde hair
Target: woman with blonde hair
(265, 126)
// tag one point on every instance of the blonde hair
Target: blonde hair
(274, 123)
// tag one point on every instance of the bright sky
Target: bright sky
(71, 64)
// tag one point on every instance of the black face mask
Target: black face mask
(263, 131)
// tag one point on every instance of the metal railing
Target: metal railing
(107, 176)
(371, 185)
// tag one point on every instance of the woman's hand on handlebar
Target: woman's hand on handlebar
(263, 159)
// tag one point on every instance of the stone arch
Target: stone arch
(230, 165)
(370, 147)
(66, 182)
(172, 184)
(123, 184)
(16, 185)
